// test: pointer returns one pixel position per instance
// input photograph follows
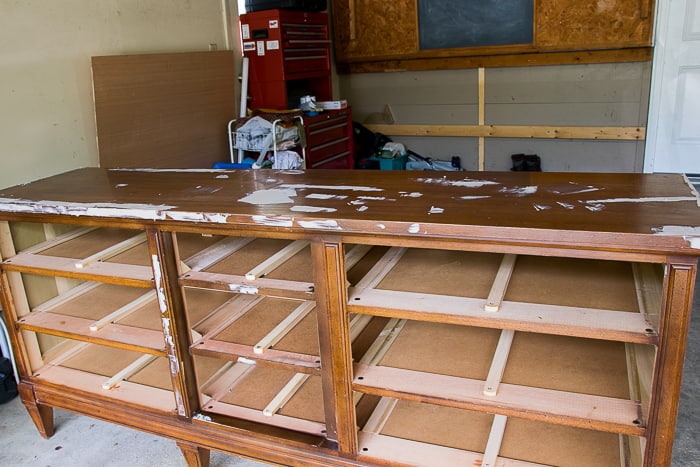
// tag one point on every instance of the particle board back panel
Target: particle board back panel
(463, 429)
(164, 110)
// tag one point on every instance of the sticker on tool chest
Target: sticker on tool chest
(245, 31)
(273, 45)
(273, 24)
(248, 46)
(261, 48)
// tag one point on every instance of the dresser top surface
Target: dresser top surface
(430, 203)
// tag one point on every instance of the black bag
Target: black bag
(8, 386)
(367, 144)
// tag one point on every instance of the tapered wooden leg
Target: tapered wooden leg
(195, 456)
(42, 415)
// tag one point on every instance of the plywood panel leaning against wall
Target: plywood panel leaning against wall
(164, 110)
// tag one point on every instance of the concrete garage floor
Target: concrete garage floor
(85, 442)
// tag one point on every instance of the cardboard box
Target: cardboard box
(333, 105)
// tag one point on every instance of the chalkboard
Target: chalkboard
(445, 24)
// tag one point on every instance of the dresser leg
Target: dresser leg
(195, 456)
(42, 415)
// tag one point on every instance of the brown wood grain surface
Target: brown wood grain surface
(631, 212)
(164, 110)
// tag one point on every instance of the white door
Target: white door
(673, 129)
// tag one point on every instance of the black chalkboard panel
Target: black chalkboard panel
(447, 24)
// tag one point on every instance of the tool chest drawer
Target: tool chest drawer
(329, 139)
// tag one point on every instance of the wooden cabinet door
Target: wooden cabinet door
(593, 24)
(374, 29)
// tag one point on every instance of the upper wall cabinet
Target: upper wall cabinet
(430, 34)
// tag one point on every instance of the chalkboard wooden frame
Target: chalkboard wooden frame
(444, 24)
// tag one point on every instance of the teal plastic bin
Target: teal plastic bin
(396, 163)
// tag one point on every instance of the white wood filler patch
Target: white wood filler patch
(131, 211)
(243, 289)
(324, 196)
(650, 199)
(325, 224)
(121, 185)
(575, 188)
(381, 226)
(197, 216)
(311, 209)
(169, 170)
(222, 176)
(119, 211)
(595, 207)
(467, 182)
(415, 194)
(218, 218)
(414, 228)
(690, 234)
(435, 210)
(375, 198)
(174, 366)
(158, 280)
(520, 190)
(331, 187)
(566, 205)
(167, 334)
(274, 221)
(362, 208)
(541, 207)
(271, 196)
(473, 197)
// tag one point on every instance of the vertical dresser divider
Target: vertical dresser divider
(162, 248)
(333, 326)
(679, 284)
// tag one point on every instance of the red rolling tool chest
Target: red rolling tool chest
(289, 56)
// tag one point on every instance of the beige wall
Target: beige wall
(593, 95)
(46, 108)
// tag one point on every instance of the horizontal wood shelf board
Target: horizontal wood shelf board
(516, 247)
(231, 351)
(137, 395)
(282, 421)
(239, 284)
(60, 239)
(514, 131)
(381, 64)
(126, 274)
(416, 453)
(571, 409)
(115, 335)
(530, 317)
(214, 253)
